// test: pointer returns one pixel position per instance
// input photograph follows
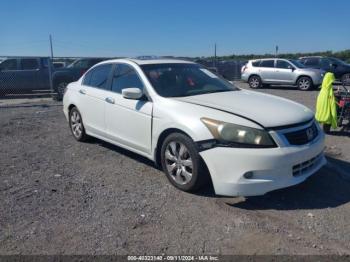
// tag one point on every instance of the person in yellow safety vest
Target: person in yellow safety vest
(326, 107)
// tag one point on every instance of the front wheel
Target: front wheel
(304, 83)
(76, 125)
(254, 82)
(182, 164)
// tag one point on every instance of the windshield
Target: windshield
(178, 80)
(80, 63)
(337, 61)
(297, 63)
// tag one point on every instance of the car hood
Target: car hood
(267, 110)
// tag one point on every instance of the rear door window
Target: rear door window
(267, 63)
(256, 63)
(29, 64)
(98, 77)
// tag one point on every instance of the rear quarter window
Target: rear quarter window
(9, 64)
(256, 63)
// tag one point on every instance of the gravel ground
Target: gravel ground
(58, 196)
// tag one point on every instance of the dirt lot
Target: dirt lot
(58, 196)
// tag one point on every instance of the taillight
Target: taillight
(244, 68)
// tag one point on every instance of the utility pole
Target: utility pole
(215, 55)
(276, 51)
(50, 64)
(50, 37)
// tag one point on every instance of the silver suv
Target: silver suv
(264, 72)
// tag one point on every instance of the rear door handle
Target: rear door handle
(109, 100)
(82, 91)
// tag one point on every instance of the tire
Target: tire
(60, 89)
(182, 164)
(326, 128)
(254, 82)
(340, 122)
(345, 79)
(304, 83)
(76, 125)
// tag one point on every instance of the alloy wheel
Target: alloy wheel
(76, 124)
(178, 162)
(304, 84)
(254, 82)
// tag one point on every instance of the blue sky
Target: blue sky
(176, 27)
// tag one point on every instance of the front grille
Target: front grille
(303, 167)
(302, 137)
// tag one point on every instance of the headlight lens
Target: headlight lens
(236, 134)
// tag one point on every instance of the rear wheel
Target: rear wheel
(255, 82)
(326, 128)
(60, 88)
(304, 83)
(182, 164)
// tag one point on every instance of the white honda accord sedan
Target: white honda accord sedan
(197, 126)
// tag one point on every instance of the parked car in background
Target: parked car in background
(24, 74)
(230, 69)
(339, 68)
(63, 76)
(262, 72)
(190, 121)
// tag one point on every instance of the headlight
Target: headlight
(227, 133)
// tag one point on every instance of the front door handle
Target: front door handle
(82, 91)
(109, 100)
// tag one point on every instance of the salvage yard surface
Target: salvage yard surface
(58, 196)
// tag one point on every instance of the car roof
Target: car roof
(305, 57)
(272, 58)
(149, 61)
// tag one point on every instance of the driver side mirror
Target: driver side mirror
(132, 93)
(333, 65)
